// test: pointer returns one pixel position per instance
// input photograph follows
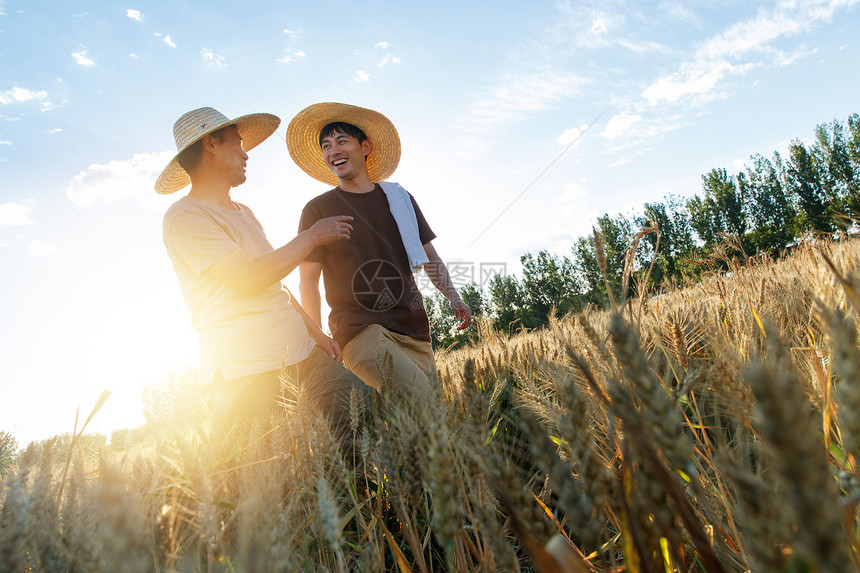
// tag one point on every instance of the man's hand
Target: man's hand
(462, 312)
(330, 347)
(331, 229)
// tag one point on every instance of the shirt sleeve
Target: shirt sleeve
(197, 239)
(310, 216)
(425, 233)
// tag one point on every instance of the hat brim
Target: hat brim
(304, 131)
(254, 128)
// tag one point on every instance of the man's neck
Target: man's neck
(357, 185)
(217, 195)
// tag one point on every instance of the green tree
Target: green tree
(442, 320)
(852, 145)
(803, 181)
(852, 141)
(773, 216)
(508, 302)
(549, 286)
(443, 323)
(473, 295)
(840, 176)
(615, 235)
(720, 211)
(677, 240)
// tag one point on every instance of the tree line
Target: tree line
(814, 189)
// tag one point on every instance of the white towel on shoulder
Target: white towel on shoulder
(404, 215)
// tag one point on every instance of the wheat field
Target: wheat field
(712, 428)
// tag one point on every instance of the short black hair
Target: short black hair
(190, 157)
(341, 127)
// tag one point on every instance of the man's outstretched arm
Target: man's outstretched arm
(438, 274)
(252, 275)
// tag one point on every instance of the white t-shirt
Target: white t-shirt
(240, 334)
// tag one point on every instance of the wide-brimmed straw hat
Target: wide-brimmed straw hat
(304, 131)
(192, 126)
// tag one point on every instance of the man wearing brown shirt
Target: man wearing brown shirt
(376, 307)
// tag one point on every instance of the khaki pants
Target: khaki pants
(412, 361)
(316, 382)
(248, 399)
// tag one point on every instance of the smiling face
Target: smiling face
(345, 155)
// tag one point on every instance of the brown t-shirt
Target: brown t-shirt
(368, 279)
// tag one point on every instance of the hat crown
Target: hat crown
(304, 131)
(195, 124)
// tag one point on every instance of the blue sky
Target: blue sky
(485, 96)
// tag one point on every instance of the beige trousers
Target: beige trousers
(316, 382)
(412, 365)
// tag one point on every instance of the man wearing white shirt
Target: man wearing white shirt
(249, 326)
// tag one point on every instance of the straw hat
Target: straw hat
(192, 126)
(304, 131)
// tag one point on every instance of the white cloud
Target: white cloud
(289, 32)
(17, 94)
(677, 12)
(599, 26)
(516, 98)
(627, 130)
(520, 95)
(697, 78)
(5, 142)
(212, 59)
(361, 76)
(14, 215)
(55, 130)
(582, 24)
(119, 181)
(41, 249)
(83, 59)
(166, 39)
(642, 47)
(620, 162)
(46, 106)
(781, 58)
(620, 124)
(133, 56)
(568, 136)
(741, 47)
(133, 14)
(389, 57)
(290, 56)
